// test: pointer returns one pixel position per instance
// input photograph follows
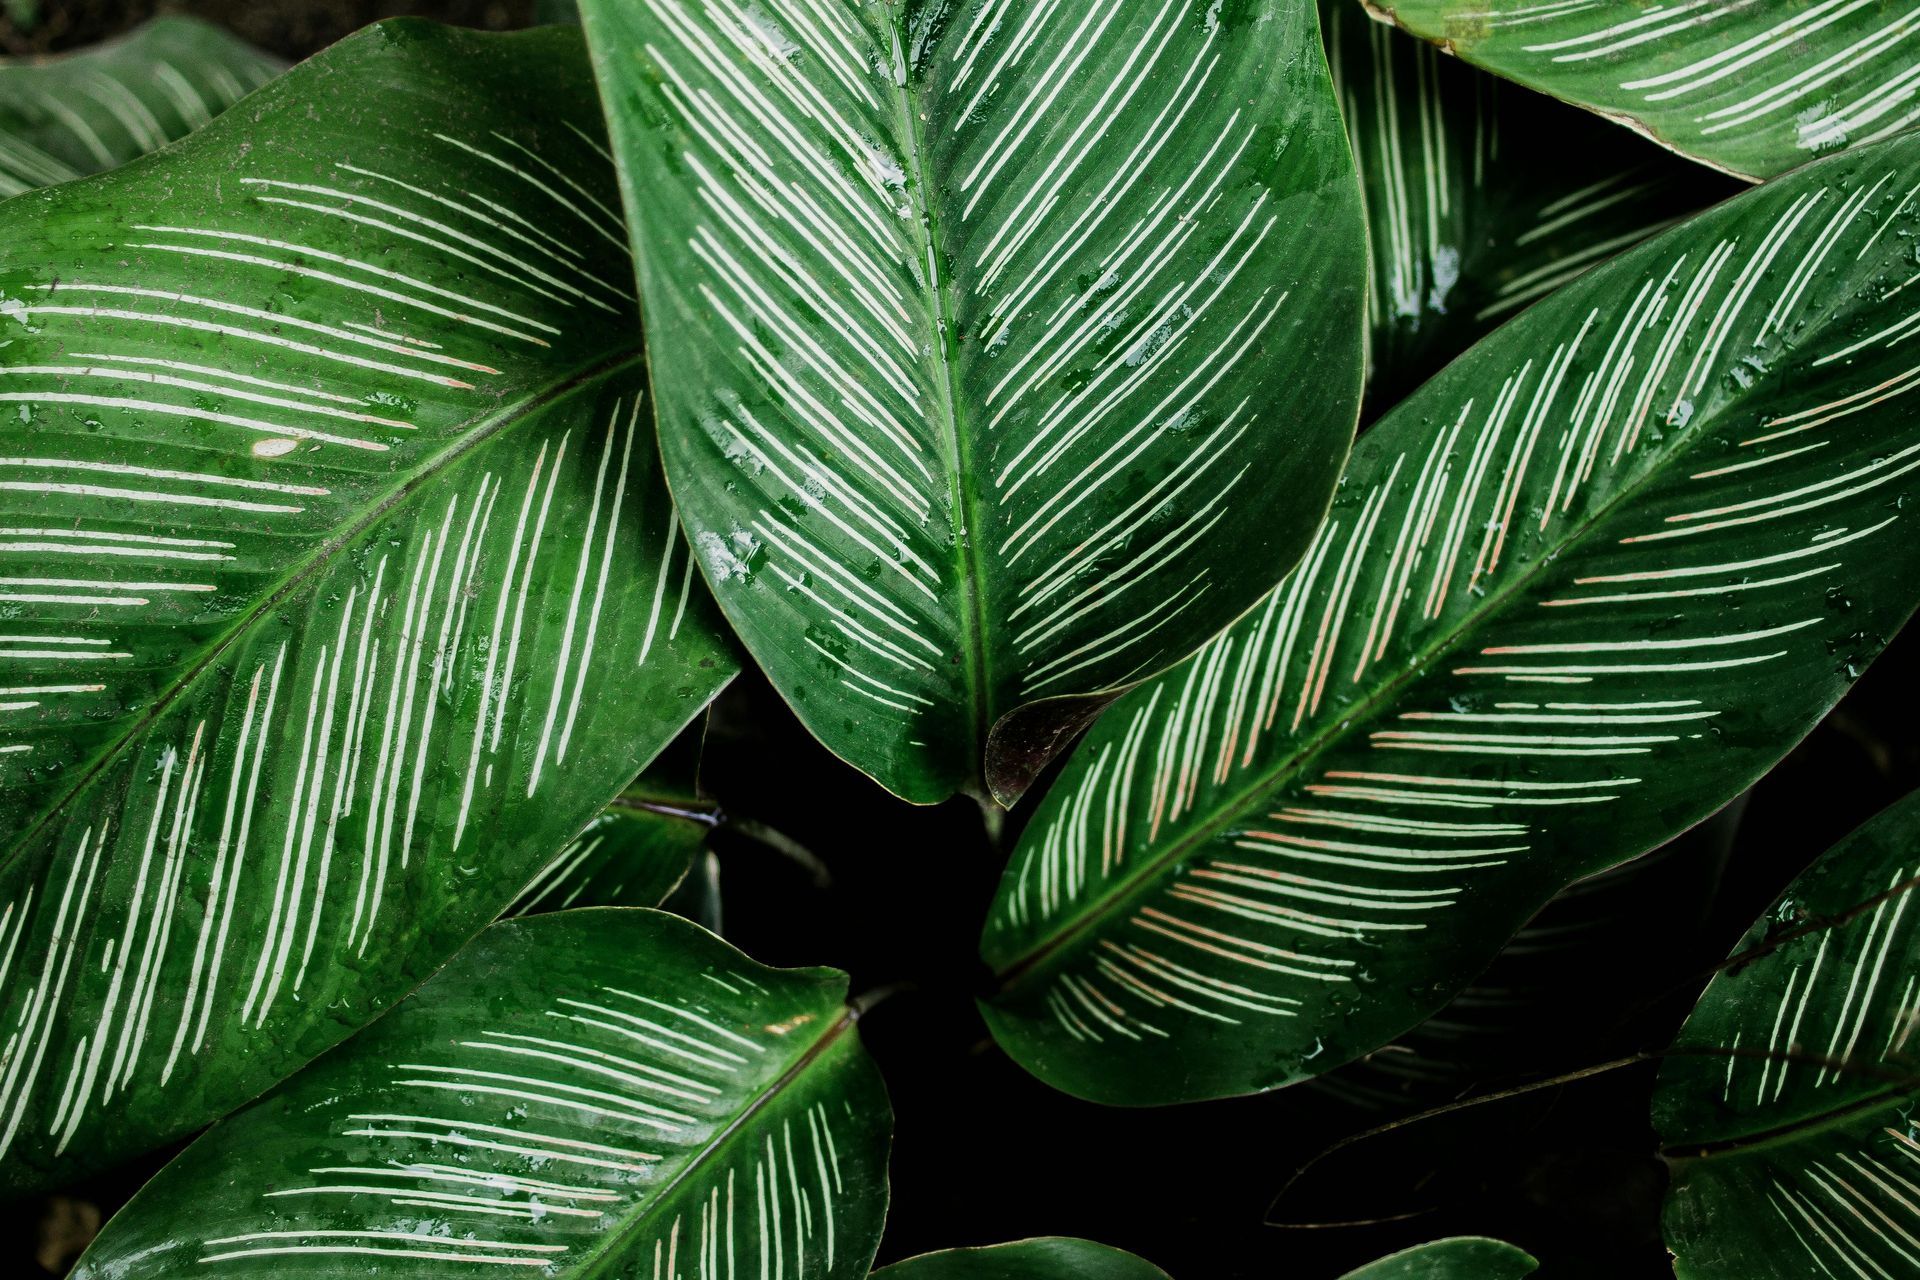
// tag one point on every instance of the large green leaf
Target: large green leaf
(1753, 87)
(1004, 352)
(1459, 1258)
(1788, 1110)
(1558, 994)
(1481, 198)
(66, 117)
(1045, 1258)
(612, 1092)
(340, 587)
(1574, 595)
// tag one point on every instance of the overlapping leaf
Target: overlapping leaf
(1753, 87)
(587, 1093)
(340, 586)
(1575, 594)
(633, 855)
(1788, 1109)
(66, 117)
(1556, 996)
(1046, 1258)
(640, 850)
(1459, 1258)
(1004, 352)
(1481, 198)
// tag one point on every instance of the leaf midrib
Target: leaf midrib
(484, 430)
(1791, 1131)
(612, 1247)
(964, 515)
(1338, 727)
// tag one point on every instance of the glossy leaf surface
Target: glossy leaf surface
(1787, 1112)
(1481, 198)
(66, 117)
(588, 1093)
(641, 849)
(1046, 1258)
(341, 588)
(629, 856)
(1556, 996)
(1003, 353)
(1573, 596)
(1460, 1258)
(1753, 87)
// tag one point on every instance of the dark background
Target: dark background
(985, 1153)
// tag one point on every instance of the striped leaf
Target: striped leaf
(1006, 350)
(1459, 1258)
(1481, 198)
(589, 1093)
(1574, 595)
(1045, 1258)
(638, 851)
(66, 117)
(340, 585)
(1558, 994)
(1751, 87)
(633, 855)
(1788, 1109)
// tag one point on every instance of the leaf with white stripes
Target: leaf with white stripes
(612, 1092)
(1481, 198)
(1574, 595)
(1562, 993)
(1005, 350)
(1751, 87)
(1458, 1258)
(1787, 1108)
(633, 855)
(66, 117)
(340, 587)
(640, 850)
(1043, 1258)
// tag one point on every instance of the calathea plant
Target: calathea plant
(1318, 530)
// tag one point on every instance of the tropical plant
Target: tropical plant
(1361, 540)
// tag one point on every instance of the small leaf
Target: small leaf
(1481, 198)
(1787, 1106)
(587, 1093)
(629, 856)
(1460, 1258)
(1045, 1258)
(1004, 354)
(1574, 595)
(340, 584)
(66, 117)
(1750, 88)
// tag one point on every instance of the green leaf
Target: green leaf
(1045, 1258)
(341, 588)
(1460, 1258)
(1481, 198)
(1574, 595)
(641, 849)
(697, 897)
(588, 1093)
(66, 117)
(633, 855)
(1556, 996)
(1750, 88)
(1787, 1108)
(1002, 359)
